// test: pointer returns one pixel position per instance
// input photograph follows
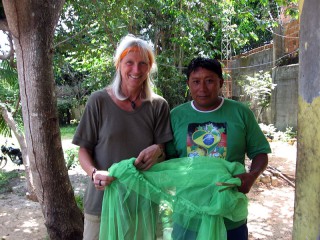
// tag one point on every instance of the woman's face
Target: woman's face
(205, 88)
(134, 70)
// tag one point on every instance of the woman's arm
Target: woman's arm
(100, 178)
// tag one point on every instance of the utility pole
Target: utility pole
(306, 224)
(226, 49)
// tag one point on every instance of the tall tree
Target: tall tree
(32, 24)
(10, 110)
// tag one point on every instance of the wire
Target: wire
(263, 63)
(283, 36)
(258, 65)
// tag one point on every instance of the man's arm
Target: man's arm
(258, 165)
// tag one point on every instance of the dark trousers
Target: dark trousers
(240, 233)
(179, 233)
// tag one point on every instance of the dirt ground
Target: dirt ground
(270, 207)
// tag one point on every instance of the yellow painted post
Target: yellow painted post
(306, 223)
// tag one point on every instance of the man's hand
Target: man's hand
(247, 181)
(149, 156)
(258, 165)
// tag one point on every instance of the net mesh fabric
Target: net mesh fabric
(175, 199)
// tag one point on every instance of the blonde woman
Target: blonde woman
(126, 119)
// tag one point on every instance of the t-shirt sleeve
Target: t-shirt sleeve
(87, 131)
(256, 141)
(162, 130)
(171, 150)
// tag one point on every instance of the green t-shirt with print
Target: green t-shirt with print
(230, 132)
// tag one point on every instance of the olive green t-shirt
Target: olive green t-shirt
(114, 134)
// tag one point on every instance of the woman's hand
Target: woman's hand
(149, 156)
(101, 179)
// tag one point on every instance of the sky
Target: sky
(4, 45)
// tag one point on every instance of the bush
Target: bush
(64, 111)
(5, 178)
(272, 134)
(71, 157)
(79, 201)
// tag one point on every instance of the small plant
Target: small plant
(79, 201)
(268, 130)
(258, 89)
(272, 134)
(71, 157)
(289, 135)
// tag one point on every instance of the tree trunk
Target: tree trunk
(32, 24)
(31, 194)
(307, 194)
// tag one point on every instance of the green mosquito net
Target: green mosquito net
(179, 199)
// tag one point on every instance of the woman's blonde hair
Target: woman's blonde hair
(128, 44)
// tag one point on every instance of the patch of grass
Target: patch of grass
(5, 178)
(67, 131)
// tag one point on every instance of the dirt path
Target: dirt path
(270, 208)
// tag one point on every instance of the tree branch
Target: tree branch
(4, 25)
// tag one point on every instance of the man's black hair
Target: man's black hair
(207, 63)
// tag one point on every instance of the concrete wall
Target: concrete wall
(284, 101)
(282, 112)
(283, 108)
(248, 65)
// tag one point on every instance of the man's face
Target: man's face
(205, 87)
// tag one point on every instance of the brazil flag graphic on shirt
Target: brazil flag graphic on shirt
(207, 139)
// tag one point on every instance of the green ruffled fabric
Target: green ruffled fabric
(176, 199)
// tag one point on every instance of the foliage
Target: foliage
(268, 130)
(4, 129)
(258, 88)
(79, 201)
(67, 131)
(173, 78)
(288, 135)
(70, 154)
(71, 157)
(64, 108)
(272, 134)
(9, 96)
(9, 86)
(5, 178)
(88, 33)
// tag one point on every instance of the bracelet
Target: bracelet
(93, 172)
